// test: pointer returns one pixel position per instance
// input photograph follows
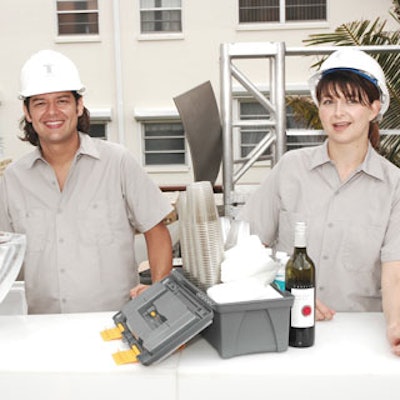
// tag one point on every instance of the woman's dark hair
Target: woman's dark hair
(32, 137)
(352, 86)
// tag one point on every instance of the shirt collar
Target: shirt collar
(371, 164)
(320, 155)
(87, 147)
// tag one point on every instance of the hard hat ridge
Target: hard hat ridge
(49, 71)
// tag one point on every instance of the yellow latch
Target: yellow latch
(127, 356)
(112, 333)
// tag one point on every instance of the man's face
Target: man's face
(54, 116)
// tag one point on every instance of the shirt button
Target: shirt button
(330, 225)
(62, 270)
(64, 300)
(321, 288)
(325, 257)
(61, 240)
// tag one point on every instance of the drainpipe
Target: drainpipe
(118, 72)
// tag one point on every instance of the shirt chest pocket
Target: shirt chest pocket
(95, 224)
(34, 223)
(361, 247)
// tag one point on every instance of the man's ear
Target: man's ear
(80, 106)
(26, 113)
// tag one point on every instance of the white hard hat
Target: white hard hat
(49, 71)
(356, 61)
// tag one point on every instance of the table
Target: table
(63, 356)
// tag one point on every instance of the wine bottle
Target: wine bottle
(300, 281)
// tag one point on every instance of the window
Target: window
(297, 136)
(164, 143)
(98, 129)
(76, 17)
(250, 136)
(281, 11)
(99, 119)
(160, 16)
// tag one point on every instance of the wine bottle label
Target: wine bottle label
(302, 312)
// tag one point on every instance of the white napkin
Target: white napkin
(249, 289)
(249, 258)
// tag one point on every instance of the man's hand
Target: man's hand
(134, 292)
(323, 312)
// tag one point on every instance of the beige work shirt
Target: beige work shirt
(80, 242)
(353, 226)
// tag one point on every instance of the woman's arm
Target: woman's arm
(391, 302)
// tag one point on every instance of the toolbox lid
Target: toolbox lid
(164, 317)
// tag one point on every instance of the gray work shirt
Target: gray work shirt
(353, 226)
(80, 242)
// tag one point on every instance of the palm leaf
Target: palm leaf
(305, 111)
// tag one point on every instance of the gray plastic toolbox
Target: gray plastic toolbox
(250, 327)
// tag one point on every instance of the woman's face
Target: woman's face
(345, 119)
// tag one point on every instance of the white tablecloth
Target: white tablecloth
(61, 357)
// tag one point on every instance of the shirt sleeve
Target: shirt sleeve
(261, 210)
(146, 204)
(5, 223)
(391, 247)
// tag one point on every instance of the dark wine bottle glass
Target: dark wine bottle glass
(300, 282)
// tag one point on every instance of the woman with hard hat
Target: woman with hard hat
(79, 201)
(347, 193)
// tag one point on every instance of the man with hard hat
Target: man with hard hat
(79, 201)
(347, 193)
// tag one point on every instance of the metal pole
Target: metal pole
(227, 134)
(118, 72)
(279, 71)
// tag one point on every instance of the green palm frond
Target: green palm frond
(354, 33)
(305, 111)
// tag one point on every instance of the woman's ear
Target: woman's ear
(375, 108)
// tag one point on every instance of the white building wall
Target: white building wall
(153, 70)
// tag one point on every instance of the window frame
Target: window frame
(101, 116)
(290, 132)
(79, 37)
(282, 24)
(160, 35)
(146, 116)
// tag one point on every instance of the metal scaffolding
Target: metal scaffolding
(275, 53)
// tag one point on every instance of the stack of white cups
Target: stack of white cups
(202, 245)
